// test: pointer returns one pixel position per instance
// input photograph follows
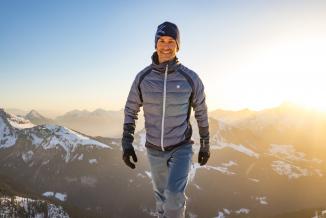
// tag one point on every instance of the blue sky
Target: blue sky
(63, 55)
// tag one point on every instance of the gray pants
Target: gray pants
(170, 171)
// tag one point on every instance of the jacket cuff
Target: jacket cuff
(204, 132)
(128, 136)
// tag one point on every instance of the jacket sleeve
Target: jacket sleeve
(199, 103)
(133, 103)
(200, 108)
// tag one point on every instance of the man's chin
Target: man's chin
(165, 58)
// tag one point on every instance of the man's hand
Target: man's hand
(127, 153)
(204, 152)
(128, 149)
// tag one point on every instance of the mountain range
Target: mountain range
(268, 163)
(94, 123)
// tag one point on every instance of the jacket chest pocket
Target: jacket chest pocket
(178, 92)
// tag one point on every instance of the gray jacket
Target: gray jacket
(167, 91)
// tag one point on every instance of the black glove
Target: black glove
(204, 151)
(126, 157)
(128, 149)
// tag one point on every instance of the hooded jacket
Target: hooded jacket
(167, 92)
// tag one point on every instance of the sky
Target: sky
(59, 55)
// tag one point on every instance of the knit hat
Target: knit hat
(168, 29)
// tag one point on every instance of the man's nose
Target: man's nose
(167, 46)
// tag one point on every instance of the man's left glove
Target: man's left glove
(128, 149)
(204, 151)
(126, 157)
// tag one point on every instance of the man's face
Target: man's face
(166, 48)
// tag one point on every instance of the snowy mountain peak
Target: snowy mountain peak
(47, 136)
(7, 133)
(50, 136)
(14, 121)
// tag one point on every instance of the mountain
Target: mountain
(269, 164)
(96, 123)
(230, 117)
(57, 163)
(37, 119)
(16, 206)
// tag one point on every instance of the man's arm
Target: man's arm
(131, 111)
(200, 108)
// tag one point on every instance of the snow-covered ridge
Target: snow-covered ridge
(49, 136)
(7, 136)
(19, 122)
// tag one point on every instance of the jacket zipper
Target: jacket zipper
(164, 102)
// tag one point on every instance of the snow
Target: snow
(254, 180)
(222, 169)
(7, 137)
(289, 170)
(27, 205)
(36, 140)
(48, 194)
(197, 186)
(81, 157)
(54, 135)
(242, 211)
(92, 161)
(227, 211)
(27, 156)
(229, 164)
(286, 151)
(57, 195)
(60, 196)
(140, 175)
(220, 215)
(57, 212)
(149, 174)
(18, 122)
(240, 148)
(262, 200)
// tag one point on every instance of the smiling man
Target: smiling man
(167, 90)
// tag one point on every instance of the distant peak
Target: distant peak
(33, 113)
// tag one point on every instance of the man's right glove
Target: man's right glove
(128, 149)
(204, 151)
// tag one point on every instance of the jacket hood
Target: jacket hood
(173, 64)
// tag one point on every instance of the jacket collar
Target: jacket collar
(172, 64)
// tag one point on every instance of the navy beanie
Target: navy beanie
(168, 29)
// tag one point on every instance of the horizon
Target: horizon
(53, 113)
(68, 55)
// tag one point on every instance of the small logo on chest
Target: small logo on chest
(178, 86)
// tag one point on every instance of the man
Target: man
(167, 90)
